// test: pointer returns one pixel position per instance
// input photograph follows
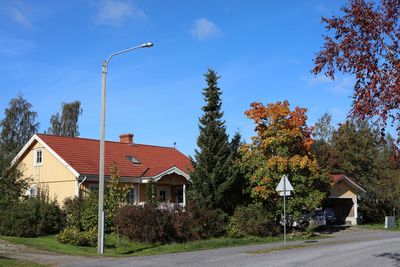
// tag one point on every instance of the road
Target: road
(347, 248)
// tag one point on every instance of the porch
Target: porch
(169, 189)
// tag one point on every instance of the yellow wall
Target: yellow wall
(342, 190)
(52, 174)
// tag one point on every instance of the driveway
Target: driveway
(350, 247)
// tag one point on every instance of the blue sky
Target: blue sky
(52, 51)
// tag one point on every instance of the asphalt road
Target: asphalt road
(352, 247)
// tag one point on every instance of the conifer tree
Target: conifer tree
(213, 176)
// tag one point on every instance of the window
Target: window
(133, 159)
(132, 196)
(38, 157)
(163, 195)
(93, 187)
(32, 191)
(179, 194)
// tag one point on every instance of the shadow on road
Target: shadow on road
(137, 250)
(394, 256)
(331, 229)
(2, 257)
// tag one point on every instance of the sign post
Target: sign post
(284, 188)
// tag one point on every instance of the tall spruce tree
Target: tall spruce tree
(213, 175)
(66, 124)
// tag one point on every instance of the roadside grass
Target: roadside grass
(380, 226)
(6, 262)
(117, 246)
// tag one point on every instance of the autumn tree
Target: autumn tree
(364, 42)
(16, 128)
(66, 124)
(214, 179)
(282, 145)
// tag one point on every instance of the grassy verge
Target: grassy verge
(379, 226)
(6, 262)
(115, 246)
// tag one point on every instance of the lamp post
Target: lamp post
(100, 229)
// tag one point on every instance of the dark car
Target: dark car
(329, 216)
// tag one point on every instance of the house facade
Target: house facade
(69, 166)
(343, 199)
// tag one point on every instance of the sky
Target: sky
(52, 51)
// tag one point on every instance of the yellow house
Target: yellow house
(343, 199)
(69, 166)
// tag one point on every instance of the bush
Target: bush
(206, 223)
(144, 224)
(74, 236)
(90, 211)
(32, 217)
(252, 220)
(151, 225)
(73, 210)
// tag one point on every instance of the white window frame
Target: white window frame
(32, 191)
(35, 157)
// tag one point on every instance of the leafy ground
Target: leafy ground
(115, 246)
(380, 226)
(6, 262)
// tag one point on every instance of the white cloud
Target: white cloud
(324, 10)
(343, 85)
(115, 12)
(15, 46)
(18, 16)
(204, 29)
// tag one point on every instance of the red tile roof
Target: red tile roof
(82, 154)
(337, 177)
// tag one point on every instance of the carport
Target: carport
(343, 199)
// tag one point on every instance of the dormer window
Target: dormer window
(38, 160)
(133, 159)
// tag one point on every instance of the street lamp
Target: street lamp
(100, 229)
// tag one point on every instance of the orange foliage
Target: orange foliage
(279, 125)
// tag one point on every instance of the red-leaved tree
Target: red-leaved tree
(364, 42)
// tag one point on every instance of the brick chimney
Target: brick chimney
(126, 138)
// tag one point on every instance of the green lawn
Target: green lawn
(380, 226)
(115, 246)
(6, 262)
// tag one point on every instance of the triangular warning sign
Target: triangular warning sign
(284, 182)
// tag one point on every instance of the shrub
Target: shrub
(151, 225)
(74, 236)
(144, 224)
(252, 220)
(32, 217)
(73, 210)
(90, 211)
(206, 223)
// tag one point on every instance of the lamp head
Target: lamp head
(147, 45)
